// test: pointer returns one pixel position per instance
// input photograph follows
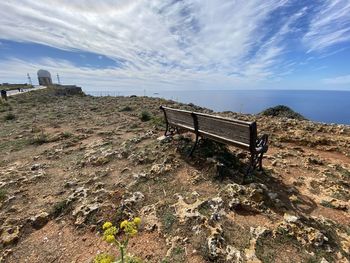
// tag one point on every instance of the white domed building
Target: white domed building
(44, 78)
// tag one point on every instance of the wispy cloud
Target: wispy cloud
(118, 79)
(173, 42)
(330, 25)
(340, 80)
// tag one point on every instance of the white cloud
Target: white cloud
(330, 26)
(92, 79)
(166, 43)
(339, 80)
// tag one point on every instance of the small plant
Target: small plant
(145, 116)
(60, 207)
(110, 232)
(5, 106)
(66, 134)
(9, 116)
(158, 121)
(168, 220)
(2, 194)
(126, 108)
(39, 139)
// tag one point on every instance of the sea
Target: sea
(320, 106)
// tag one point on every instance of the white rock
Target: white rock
(290, 218)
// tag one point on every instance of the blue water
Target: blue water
(321, 106)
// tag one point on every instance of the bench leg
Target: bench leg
(194, 146)
(166, 129)
(254, 159)
(260, 161)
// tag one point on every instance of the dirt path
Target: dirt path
(16, 92)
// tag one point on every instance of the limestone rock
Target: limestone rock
(233, 255)
(135, 198)
(10, 235)
(39, 220)
(215, 243)
(290, 218)
(149, 218)
(83, 211)
(186, 211)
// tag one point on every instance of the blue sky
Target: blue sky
(162, 44)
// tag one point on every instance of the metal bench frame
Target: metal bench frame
(257, 146)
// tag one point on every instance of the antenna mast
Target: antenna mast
(29, 79)
(58, 79)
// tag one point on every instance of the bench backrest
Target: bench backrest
(236, 132)
(179, 118)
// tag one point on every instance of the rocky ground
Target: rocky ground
(70, 163)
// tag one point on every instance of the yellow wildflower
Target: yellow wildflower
(133, 232)
(110, 231)
(107, 225)
(103, 258)
(137, 221)
(124, 224)
(110, 239)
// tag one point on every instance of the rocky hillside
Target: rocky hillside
(70, 163)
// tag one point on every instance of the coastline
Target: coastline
(319, 106)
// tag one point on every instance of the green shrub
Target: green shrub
(9, 116)
(39, 139)
(158, 121)
(145, 116)
(60, 207)
(66, 134)
(5, 106)
(126, 108)
(282, 111)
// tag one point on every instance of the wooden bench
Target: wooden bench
(241, 134)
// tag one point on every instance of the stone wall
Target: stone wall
(64, 90)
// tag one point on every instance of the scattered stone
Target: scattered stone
(149, 217)
(290, 218)
(257, 195)
(255, 234)
(316, 161)
(335, 204)
(306, 235)
(10, 235)
(35, 167)
(272, 196)
(126, 169)
(136, 197)
(215, 243)
(164, 139)
(233, 255)
(39, 220)
(186, 211)
(83, 211)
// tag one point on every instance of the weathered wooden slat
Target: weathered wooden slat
(225, 129)
(181, 118)
(217, 138)
(223, 118)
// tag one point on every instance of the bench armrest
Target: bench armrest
(261, 144)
